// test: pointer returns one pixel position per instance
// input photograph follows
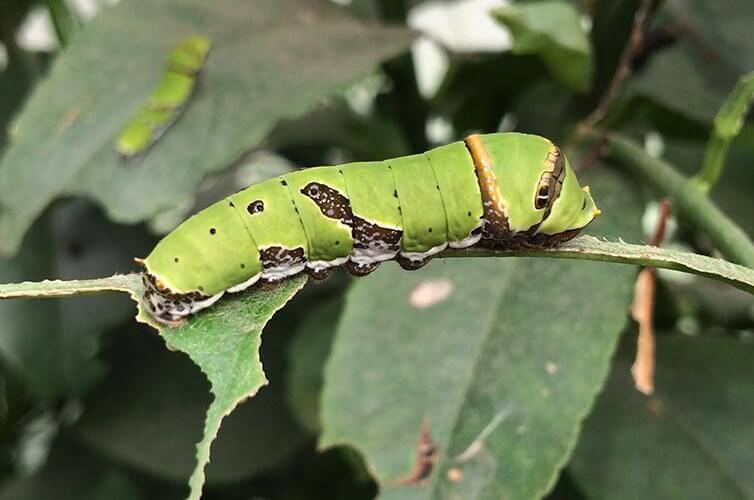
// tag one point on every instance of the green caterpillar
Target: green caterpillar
(504, 190)
(167, 101)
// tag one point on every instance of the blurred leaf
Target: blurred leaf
(149, 415)
(502, 366)
(16, 82)
(691, 439)
(472, 107)
(637, 113)
(713, 52)
(552, 29)
(363, 138)
(257, 167)
(72, 474)
(224, 342)
(269, 60)
(308, 353)
(721, 30)
(701, 91)
(612, 22)
(544, 109)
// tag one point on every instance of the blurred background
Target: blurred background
(530, 360)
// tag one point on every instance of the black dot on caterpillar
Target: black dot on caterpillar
(255, 207)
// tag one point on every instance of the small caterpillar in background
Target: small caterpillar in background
(167, 101)
(502, 190)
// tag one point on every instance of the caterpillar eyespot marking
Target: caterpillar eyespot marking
(502, 190)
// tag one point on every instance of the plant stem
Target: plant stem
(130, 283)
(582, 248)
(687, 198)
(728, 124)
(590, 248)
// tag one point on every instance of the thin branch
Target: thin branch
(728, 124)
(582, 248)
(590, 248)
(624, 66)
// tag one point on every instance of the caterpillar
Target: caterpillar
(501, 190)
(167, 101)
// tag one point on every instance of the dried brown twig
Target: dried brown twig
(642, 310)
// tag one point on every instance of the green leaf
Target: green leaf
(721, 30)
(691, 439)
(224, 342)
(270, 59)
(16, 81)
(698, 95)
(612, 22)
(501, 359)
(551, 29)
(714, 50)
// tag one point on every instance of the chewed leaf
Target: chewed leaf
(224, 342)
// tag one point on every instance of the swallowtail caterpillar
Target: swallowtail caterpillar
(167, 101)
(503, 190)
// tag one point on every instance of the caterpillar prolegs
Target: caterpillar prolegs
(503, 190)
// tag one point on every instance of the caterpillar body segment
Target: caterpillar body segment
(459, 188)
(504, 190)
(424, 221)
(167, 101)
(315, 193)
(373, 196)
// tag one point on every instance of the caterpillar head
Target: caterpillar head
(539, 186)
(573, 209)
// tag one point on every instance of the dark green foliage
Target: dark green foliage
(92, 405)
